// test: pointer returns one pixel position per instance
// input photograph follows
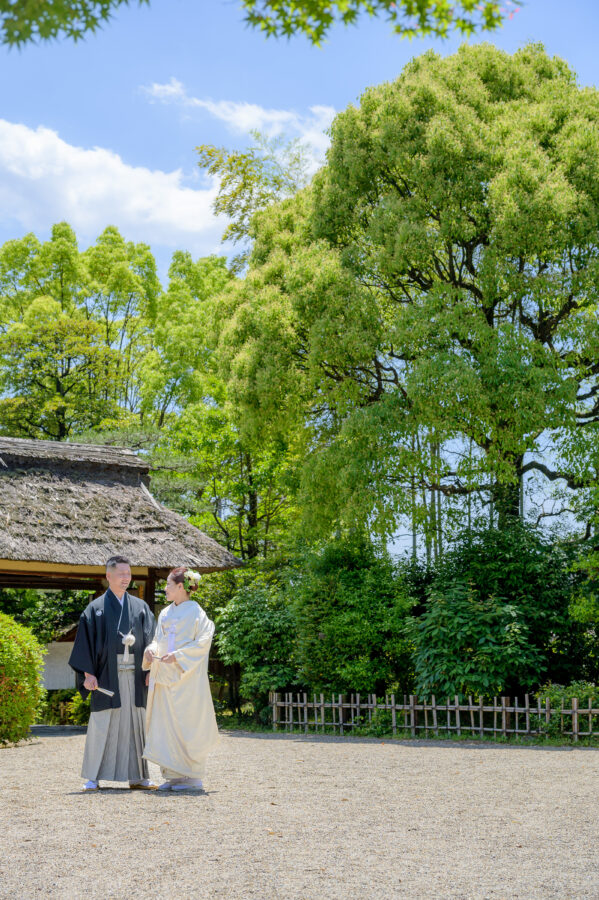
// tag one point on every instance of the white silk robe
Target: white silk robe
(180, 722)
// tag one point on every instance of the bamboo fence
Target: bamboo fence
(347, 713)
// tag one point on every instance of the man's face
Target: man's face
(119, 578)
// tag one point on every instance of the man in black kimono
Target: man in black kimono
(113, 632)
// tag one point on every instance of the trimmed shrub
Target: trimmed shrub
(21, 664)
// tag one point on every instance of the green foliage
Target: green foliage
(74, 328)
(46, 613)
(79, 710)
(522, 567)
(250, 180)
(560, 695)
(468, 645)
(425, 313)
(256, 630)
(409, 18)
(21, 664)
(33, 20)
(28, 21)
(350, 607)
(53, 708)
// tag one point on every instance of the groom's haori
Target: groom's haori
(115, 735)
(98, 645)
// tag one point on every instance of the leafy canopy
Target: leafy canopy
(22, 21)
(441, 275)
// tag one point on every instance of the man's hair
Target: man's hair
(115, 561)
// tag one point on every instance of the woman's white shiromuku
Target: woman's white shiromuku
(181, 727)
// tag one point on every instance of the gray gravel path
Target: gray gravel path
(307, 818)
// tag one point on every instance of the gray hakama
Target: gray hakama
(115, 737)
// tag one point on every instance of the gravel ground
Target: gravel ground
(307, 818)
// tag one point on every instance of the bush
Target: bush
(562, 695)
(468, 645)
(21, 664)
(52, 709)
(518, 567)
(78, 710)
(351, 605)
(256, 630)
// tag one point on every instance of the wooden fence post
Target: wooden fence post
(435, 723)
(458, 720)
(412, 716)
(393, 714)
(274, 697)
(575, 718)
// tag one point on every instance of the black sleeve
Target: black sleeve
(82, 657)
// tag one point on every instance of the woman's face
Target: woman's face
(174, 591)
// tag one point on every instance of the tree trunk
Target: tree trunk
(506, 497)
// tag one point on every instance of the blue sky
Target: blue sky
(103, 132)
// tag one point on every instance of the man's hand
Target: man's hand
(90, 683)
(169, 658)
(148, 656)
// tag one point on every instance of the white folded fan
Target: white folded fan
(105, 691)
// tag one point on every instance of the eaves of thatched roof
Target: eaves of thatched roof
(79, 504)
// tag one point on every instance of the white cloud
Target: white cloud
(244, 117)
(43, 180)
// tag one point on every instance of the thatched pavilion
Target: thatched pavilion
(65, 508)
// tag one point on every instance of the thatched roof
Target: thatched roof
(78, 504)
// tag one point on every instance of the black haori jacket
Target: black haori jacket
(97, 643)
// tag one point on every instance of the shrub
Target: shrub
(351, 605)
(21, 664)
(52, 709)
(562, 695)
(78, 710)
(256, 630)
(518, 566)
(468, 645)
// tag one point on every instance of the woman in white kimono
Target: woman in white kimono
(180, 722)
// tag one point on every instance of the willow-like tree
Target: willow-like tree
(452, 289)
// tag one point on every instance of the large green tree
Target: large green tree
(74, 329)
(428, 311)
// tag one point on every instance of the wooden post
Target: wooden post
(481, 717)
(503, 717)
(435, 724)
(394, 714)
(458, 721)
(527, 708)
(575, 718)
(412, 716)
(322, 712)
(150, 590)
(274, 698)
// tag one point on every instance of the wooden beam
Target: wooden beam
(63, 569)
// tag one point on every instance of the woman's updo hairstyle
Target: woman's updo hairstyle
(188, 578)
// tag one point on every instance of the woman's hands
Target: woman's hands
(149, 656)
(169, 658)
